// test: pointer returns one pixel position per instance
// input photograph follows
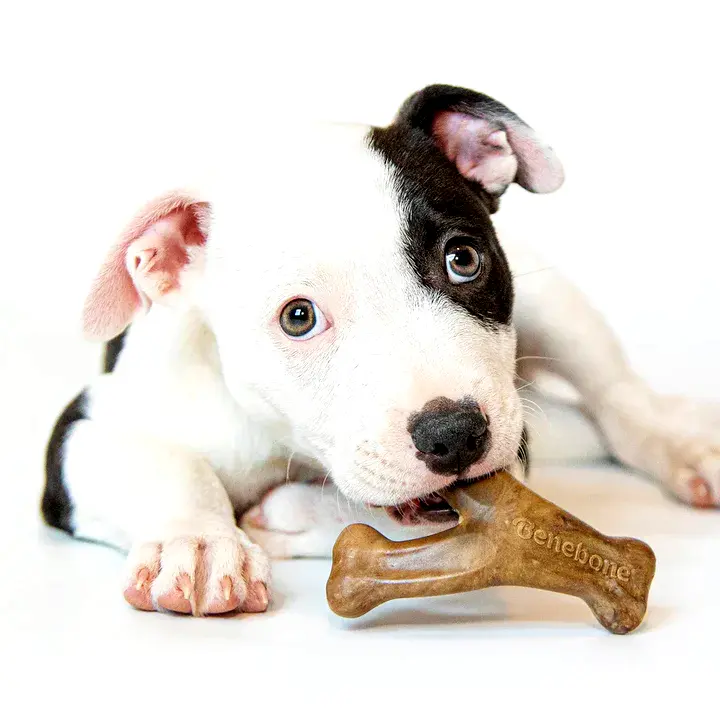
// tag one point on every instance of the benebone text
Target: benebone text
(527, 530)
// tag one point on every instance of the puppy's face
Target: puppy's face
(361, 302)
(370, 309)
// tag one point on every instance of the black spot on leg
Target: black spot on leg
(56, 505)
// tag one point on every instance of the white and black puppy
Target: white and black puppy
(364, 332)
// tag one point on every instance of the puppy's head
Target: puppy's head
(361, 302)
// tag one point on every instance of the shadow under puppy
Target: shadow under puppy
(358, 326)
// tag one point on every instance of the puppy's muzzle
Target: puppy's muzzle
(449, 435)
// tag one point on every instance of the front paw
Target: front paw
(295, 520)
(198, 573)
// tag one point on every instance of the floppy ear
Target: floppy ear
(147, 263)
(488, 143)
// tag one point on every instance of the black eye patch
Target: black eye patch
(440, 209)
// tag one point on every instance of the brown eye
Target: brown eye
(301, 319)
(297, 318)
(463, 263)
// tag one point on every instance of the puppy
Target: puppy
(361, 335)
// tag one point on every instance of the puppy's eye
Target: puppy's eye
(463, 263)
(301, 319)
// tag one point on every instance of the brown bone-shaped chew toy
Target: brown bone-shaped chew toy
(507, 535)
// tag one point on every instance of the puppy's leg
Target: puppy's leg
(304, 519)
(674, 440)
(301, 519)
(169, 509)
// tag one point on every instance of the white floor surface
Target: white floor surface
(70, 646)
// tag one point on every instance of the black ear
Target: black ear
(488, 143)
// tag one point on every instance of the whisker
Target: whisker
(337, 501)
(287, 472)
(322, 487)
(528, 402)
(537, 420)
(533, 427)
(539, 417)
(534, 410)
(536, 357)
(532, 272)
(530, 421)
(349, 507)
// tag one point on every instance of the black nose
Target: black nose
(450, 436)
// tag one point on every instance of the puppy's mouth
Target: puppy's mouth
(430, 509)
(426, 510)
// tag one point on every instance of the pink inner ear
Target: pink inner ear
(497, 151)
(145, 264)
(479, 148)
(157, 258)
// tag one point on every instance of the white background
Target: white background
(626, 92)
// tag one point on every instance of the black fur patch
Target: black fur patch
(420, 109)
(524, 450)
(112, 351)
(57, 508)
(442, 207)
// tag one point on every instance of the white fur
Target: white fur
(210, 405)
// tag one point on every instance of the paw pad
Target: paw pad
(700, 492)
